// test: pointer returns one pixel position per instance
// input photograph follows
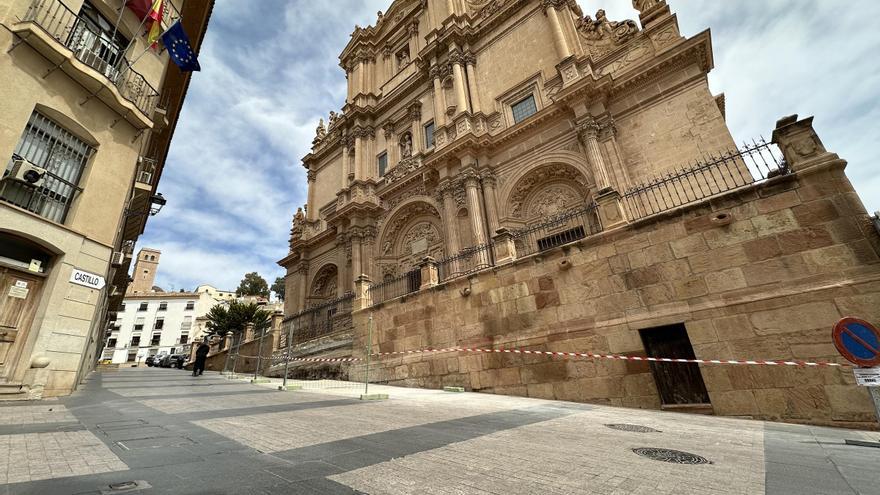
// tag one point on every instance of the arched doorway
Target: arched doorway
(23, 268)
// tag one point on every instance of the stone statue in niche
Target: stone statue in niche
(320, 131)
(386, 248)
(406, 145)
(333, 118)
(403, 58)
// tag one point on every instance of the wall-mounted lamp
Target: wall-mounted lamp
(157, 201)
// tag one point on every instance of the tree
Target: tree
(278, 287)
(253, 285)
(235, 316)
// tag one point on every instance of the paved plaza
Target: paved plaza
(163, 431)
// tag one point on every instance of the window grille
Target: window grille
(160, 324)
(524, 109)
(47, 145)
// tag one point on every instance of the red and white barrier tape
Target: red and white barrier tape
(581, 355)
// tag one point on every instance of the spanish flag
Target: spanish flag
(154, 23)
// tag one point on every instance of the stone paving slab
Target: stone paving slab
(210, 435)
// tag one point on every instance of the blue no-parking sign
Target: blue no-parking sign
(858, 341)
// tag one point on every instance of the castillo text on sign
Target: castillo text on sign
(87, 279)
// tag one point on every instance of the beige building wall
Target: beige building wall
(39, 73)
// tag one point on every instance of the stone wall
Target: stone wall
(799, 254)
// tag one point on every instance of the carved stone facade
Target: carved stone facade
(489, 117)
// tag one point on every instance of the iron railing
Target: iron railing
(316, 321)
(469, 260)
(731, 170)
(94, 48)
(565, 227)
(400, 286)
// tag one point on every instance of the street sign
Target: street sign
(867, 377)
(87, 279)
(858, 341)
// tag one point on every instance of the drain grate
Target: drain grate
(633, 428)
(669, 455)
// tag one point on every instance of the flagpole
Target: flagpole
(147, 49)
(118, 20)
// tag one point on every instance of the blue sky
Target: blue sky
(270, 70)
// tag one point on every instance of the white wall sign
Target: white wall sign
(867, 377)
(87, 279)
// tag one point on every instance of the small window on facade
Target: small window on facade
(190, 305)
(160, 324)
(163, 306)
(524, 109)
(62, 155)
(382, 163)
(155, 339)
(132, 355)
(142, 307)
(135, 340)
(184, 338)
(111, 342)
(122, 308)
(429, 135)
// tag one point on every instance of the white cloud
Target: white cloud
(270, 70)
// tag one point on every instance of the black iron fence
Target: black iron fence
(316, 321)
(95, 48)
(405, 284)
(469, 260)
(568, 226)
(752, 163)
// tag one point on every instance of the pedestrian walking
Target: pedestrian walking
(201, 357)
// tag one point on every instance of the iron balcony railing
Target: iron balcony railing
(733, 169)
(469, 260)
(400, 286)
(317, 321)
(563, 228)
(94, 48)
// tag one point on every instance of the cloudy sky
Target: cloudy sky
(270, 69)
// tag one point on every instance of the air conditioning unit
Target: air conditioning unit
(117, 259)
(26, 172)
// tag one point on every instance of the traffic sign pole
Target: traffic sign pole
(859, 342)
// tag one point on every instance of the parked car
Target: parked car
(152, 360)
(174, 361)
(163, 361)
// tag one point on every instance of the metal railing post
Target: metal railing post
(287, 355)
(369, 352)
(259, 356)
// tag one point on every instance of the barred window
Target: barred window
(524, 109)
(48, 146)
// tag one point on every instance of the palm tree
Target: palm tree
(235, 316)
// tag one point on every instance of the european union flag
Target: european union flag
(179, 49)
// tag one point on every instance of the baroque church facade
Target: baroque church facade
(466, 116)
(512, 178)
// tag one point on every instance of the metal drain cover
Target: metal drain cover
(669, 455)
(633, 428)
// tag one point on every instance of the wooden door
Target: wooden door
(19, 296)
(678, 383)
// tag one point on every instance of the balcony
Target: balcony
(89, 57)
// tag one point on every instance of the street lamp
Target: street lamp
(157, 201)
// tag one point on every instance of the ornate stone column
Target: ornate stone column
(559, 41)
(470, 61)
(439, 97)
(390, 144)
(368, 255)
(489, 183)
(312, 213)
(588, 131)
(447, 194)
(413, 40)
(475, 210)
(386, 63)
(343, 281)
(355, 240)
(461, 104)
(347, 153)
(303, 285)
(415, 114)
